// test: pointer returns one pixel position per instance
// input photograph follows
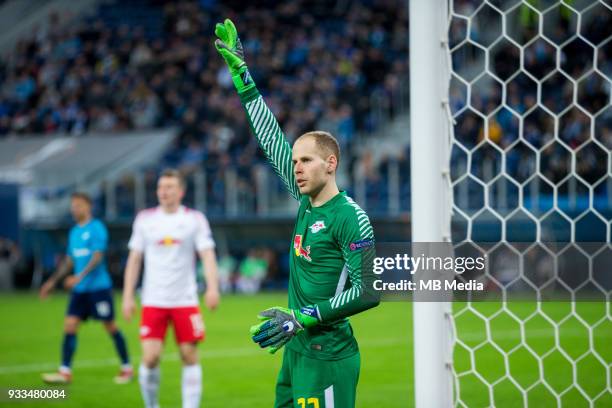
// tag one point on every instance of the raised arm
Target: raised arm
(261, 119)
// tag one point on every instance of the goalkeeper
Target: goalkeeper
(330, 263)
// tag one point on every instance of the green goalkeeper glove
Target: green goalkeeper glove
(229, 46)
(281, 324)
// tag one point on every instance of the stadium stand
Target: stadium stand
(149, 64)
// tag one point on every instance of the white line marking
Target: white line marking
(254, 351)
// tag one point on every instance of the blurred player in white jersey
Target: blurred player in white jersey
(168, 236)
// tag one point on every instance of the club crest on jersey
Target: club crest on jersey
(299, 250)
(317, 226)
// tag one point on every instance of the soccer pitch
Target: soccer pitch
(238, 374)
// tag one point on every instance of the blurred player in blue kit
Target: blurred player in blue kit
(90, 287)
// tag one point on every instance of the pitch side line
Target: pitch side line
(205, 355)
(224, 353)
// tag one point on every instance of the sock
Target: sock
(121, 347)
(65, 370)
(192, 386)
(68, 348)
(149, 385)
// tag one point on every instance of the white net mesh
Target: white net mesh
(532, 163)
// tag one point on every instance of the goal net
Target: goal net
(531, 175)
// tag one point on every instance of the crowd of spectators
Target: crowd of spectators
(146, 64)
(151, 63)
(577, 92)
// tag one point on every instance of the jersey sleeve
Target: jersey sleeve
(137, 240)
(99, 237)
(355, 238)
(270, 138)
(203, 235)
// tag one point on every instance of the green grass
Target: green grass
(238, 374)
(523, 345)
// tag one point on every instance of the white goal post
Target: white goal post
(511, 144)
(430, 191)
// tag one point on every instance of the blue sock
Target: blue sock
(121, 347)
(68, 348)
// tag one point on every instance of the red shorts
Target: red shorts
(187, 322)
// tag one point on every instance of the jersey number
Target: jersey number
(103, 308)
(197, 324)
(310, 401)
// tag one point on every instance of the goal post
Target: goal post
(431, 194)
(511, 155)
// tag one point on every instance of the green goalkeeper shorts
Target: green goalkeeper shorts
(304, 382)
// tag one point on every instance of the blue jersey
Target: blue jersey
(83, 241)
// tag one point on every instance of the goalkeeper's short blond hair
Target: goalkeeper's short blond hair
(325, 141)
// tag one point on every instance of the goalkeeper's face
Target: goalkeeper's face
(313, 168)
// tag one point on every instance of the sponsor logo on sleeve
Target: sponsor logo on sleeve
(362, 243)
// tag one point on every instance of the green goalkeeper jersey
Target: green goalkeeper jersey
(331, 250)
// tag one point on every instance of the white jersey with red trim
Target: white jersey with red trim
(169, 242)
